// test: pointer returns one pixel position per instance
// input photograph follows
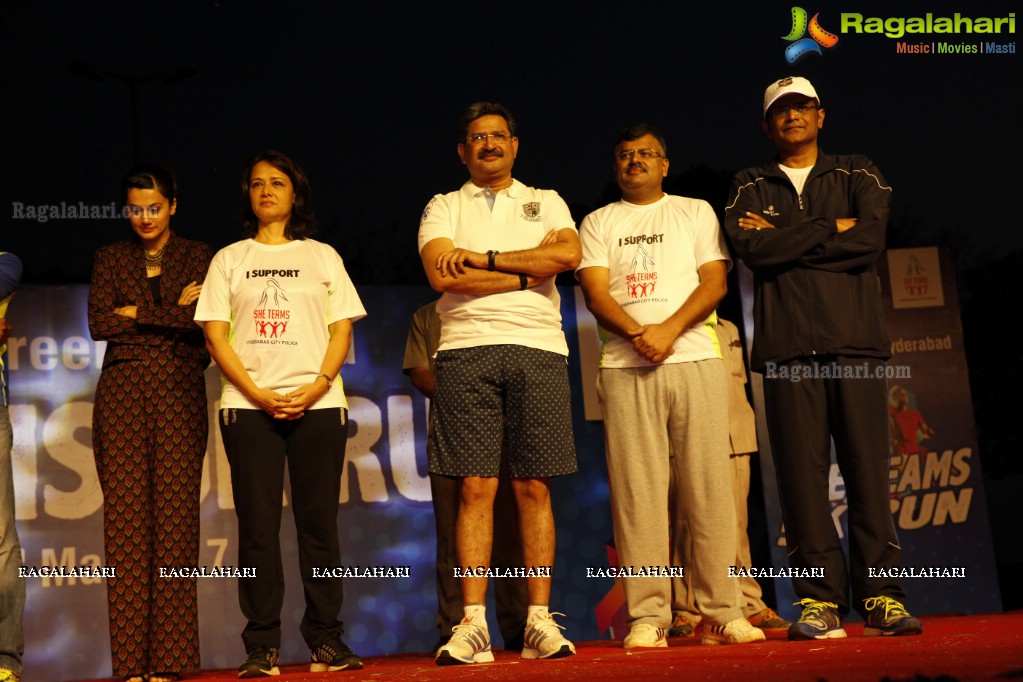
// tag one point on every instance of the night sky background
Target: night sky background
(366, 96)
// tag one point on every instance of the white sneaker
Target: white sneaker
(543, 639)
(469, 643)
(645, 636)
(738, 631)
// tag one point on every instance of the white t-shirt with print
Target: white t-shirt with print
(653, 253)
(279, 300)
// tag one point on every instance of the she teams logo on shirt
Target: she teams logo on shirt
(270, 318)
(641, 280)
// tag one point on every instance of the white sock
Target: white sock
(536, 612)
(476, 614)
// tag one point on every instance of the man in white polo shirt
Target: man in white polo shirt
(493, 249)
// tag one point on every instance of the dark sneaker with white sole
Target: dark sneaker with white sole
(262, 662)
(333, 656)
(887, 616)
(820, 620)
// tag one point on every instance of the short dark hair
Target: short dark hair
(151, 176)
(638, 130)
(302, 222)
(479, 110)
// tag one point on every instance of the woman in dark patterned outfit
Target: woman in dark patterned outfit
(149, 429)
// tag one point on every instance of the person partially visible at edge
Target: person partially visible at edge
(653, 271)
(149, 428)
(12, 586)
(811, 226)
(280, 341)
(493, 248)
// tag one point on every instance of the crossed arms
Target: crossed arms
(461, 271)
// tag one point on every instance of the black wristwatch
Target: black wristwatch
(491, 255)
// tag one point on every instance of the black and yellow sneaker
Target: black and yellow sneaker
(819, 620)
(887, 616)
(333, 656)
(262, 662)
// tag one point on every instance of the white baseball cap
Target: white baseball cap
(785, 86)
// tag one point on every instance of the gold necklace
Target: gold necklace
(154, 261)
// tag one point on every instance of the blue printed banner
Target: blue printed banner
(385, 512)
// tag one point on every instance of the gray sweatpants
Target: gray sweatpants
(649, 413)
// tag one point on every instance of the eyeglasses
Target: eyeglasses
(626, 154)
(782, 110)
(478, 138)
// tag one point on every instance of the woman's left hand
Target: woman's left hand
(190, 294)
(302, 398)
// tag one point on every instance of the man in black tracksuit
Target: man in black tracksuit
(811, 226)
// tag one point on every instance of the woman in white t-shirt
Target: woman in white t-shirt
(277, 310)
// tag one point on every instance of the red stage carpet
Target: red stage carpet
(951, 648)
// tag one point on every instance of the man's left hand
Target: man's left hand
(452, 263)
(655, 343)
(752, 221)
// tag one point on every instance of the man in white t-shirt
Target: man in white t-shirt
(653, 271)
(493, 249)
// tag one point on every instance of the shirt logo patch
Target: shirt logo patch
(770, 211)
(426, 211)
(531, 211)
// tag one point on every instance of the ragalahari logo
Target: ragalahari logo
(800, 45)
